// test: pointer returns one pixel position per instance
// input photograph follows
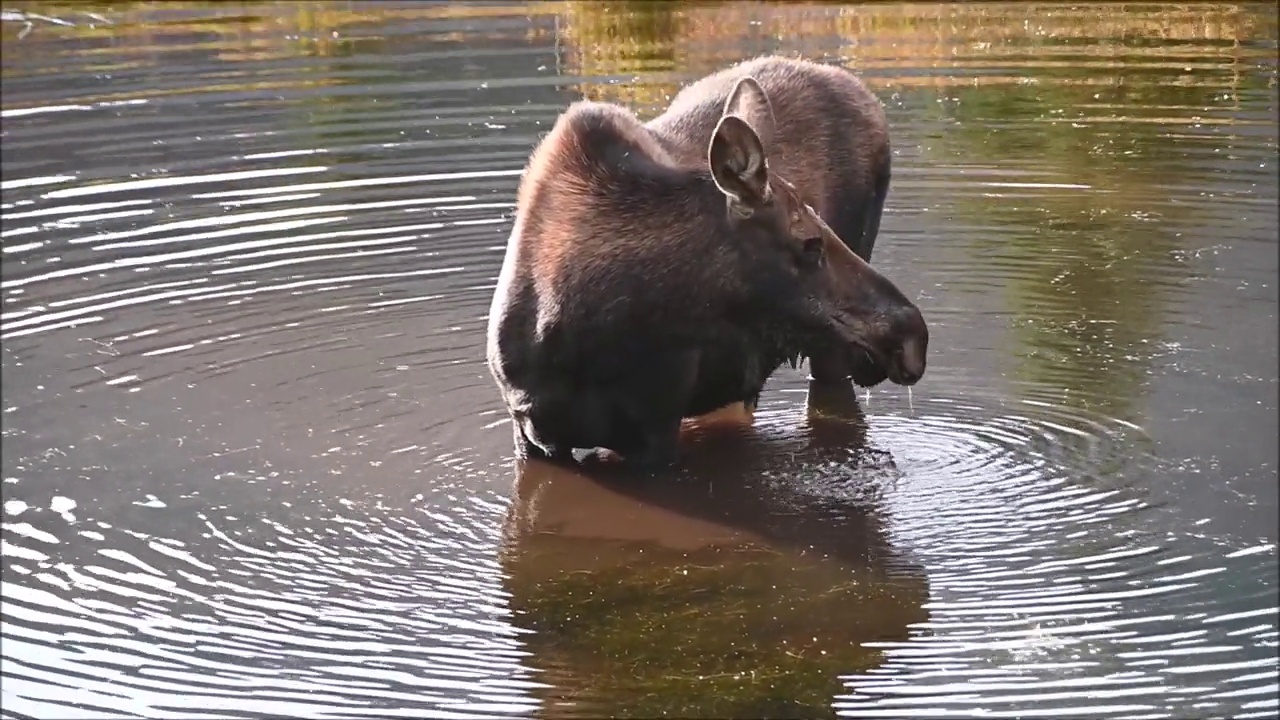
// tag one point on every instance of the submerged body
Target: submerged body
(664, 270)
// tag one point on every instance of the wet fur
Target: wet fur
(679, 332)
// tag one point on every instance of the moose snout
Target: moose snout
(908, 360)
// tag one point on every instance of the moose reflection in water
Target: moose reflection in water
(743, 585)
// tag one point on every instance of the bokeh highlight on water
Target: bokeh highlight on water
(253, 463)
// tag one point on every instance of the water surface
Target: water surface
(253, 463)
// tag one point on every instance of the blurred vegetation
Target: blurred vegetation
(241, 31)
(1017, 40)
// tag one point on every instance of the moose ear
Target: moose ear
(738, 164)
(749, 101)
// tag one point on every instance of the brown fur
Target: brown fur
(659, 272)
(833, 139)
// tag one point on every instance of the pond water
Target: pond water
(253, 462)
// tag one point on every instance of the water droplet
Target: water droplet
(151, 501)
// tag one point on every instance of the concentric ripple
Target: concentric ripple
(328, 612)
(1057, 588)
(253, 463)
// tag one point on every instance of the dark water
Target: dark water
(253, 464)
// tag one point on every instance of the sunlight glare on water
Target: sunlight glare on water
(253, 462)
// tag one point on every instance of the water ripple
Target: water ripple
(335, 610)
(1044, 590)
(253, 463)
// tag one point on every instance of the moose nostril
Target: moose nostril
(911, 359)
(915, 343)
